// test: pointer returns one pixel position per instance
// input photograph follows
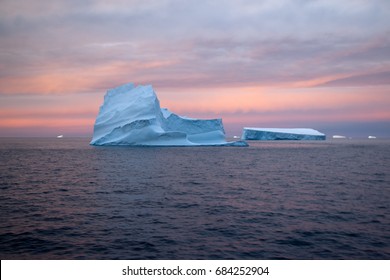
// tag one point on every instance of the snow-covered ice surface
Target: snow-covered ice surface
(252, 133)
(131, 115)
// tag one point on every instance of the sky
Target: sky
(322, 64)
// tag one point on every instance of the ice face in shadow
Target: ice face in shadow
(132, 115)
(251, 133)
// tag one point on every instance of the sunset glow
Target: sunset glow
(320, 64)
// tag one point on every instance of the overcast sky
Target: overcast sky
(319, 64)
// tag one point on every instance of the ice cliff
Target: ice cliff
(132, 115)
(251, 133)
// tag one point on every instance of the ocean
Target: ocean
(65, 199)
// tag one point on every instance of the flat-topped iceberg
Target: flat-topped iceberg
(252, 133)
(132, 116)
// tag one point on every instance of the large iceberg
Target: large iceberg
(252, 133)
(132, 115)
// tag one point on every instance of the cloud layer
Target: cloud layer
(281, 47)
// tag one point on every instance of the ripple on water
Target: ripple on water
(283, 200)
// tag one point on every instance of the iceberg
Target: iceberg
(131, 116)
(252, 133)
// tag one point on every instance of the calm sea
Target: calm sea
(63, 199)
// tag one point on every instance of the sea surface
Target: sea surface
(65, 199)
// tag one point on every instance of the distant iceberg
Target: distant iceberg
(339, 137)
(132, 116)
(252, 133)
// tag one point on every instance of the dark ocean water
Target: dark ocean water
(63, 199)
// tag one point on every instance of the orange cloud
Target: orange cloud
(44, 122)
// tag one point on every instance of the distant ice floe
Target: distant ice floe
(339, 137)
(131, 115)
(371, 137)
(253, 133)
(60, 136)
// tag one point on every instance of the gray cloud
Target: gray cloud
(382, 78)
(215, 43)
